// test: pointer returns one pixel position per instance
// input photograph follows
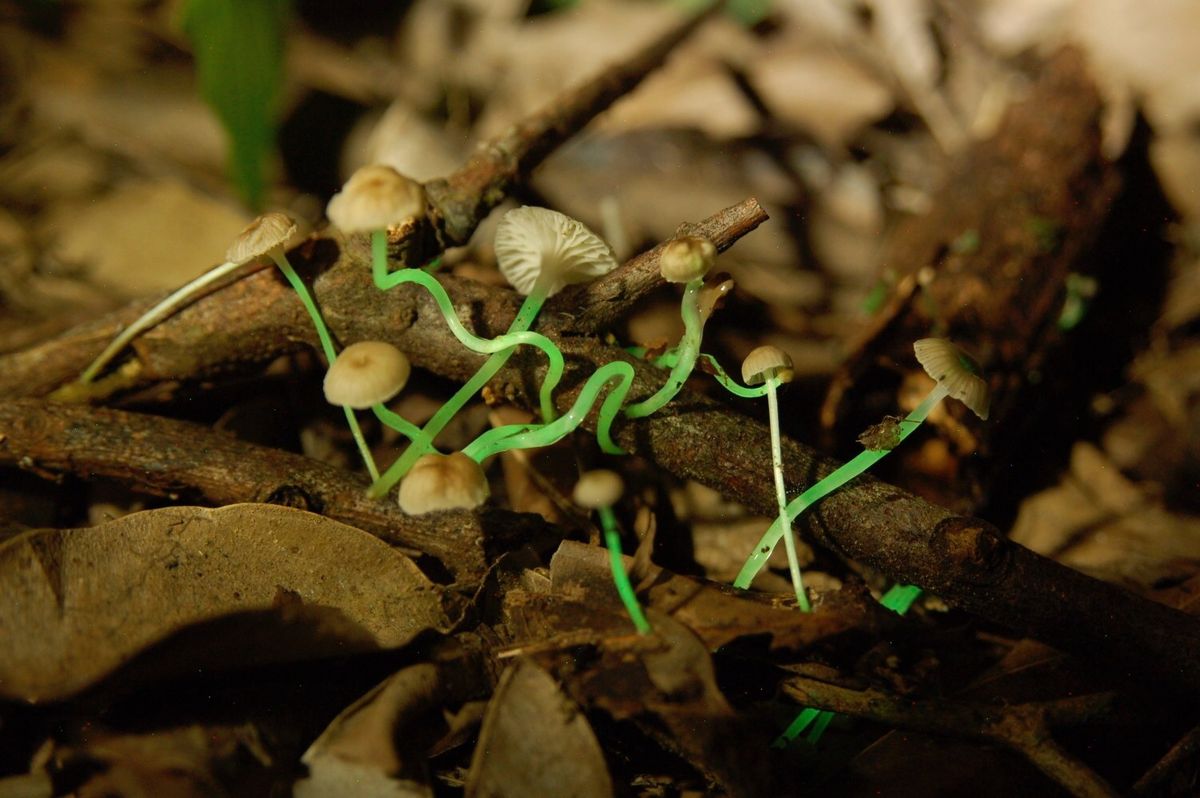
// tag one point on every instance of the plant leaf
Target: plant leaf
(238, 47)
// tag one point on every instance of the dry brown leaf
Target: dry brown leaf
(145, 236)
(535, 741)
(82, 602)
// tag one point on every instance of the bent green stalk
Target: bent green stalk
(689, 349)
(487, 346)
(867, 458)
(612, 539)
(527, 436)
(330, 353)
(729, 384)
(525, 317)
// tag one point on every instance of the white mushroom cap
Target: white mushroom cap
(957, 372)
(530, 241)
(767, 362)
(375, 197)
(365, 374)
(268, 232)
(598, 488)
(687, 258)
(443, 482)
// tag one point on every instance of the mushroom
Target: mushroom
(684, 260)
(958, 376)
(599, 490)
(772, 366)
(366, 373)
(374, 198)
(540, 251)
(443, 482)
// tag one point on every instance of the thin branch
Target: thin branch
(1024, 728)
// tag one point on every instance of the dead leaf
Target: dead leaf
(82, 602)
(536, 741)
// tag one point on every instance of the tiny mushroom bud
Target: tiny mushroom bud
(767, 363)
(687, 258)
(365, 374)
(598, 488)
(956, 373)
(540, 251)
(375, 197)
(443, 482)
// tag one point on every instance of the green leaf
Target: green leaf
(238, 47)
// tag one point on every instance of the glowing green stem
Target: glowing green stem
(399, 423)
(527, 436)
(156, 314)
(330, 353)
(789, 537)
(689, 349)
(837, 479)
(525, 317)
(485, 346)
(612, 539)
(728, 383)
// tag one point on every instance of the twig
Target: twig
(1025, 728)
(1182, 755)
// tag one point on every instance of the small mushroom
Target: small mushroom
(540, 251)
(443, 482)
(773, 366)
(269, 234)
(687, 258)
(599, 490)
(374, 198)
(365, 374)
(958, 375)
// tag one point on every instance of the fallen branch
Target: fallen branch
(1025, 728)
(190, 463)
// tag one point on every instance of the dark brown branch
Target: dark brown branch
(183, 461)
(1024, 728)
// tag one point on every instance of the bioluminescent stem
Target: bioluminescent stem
(530, 436)
(957, 375)
(772, 365)
(683, 260)
(689, 350)
(599, 490)
(509, 340)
